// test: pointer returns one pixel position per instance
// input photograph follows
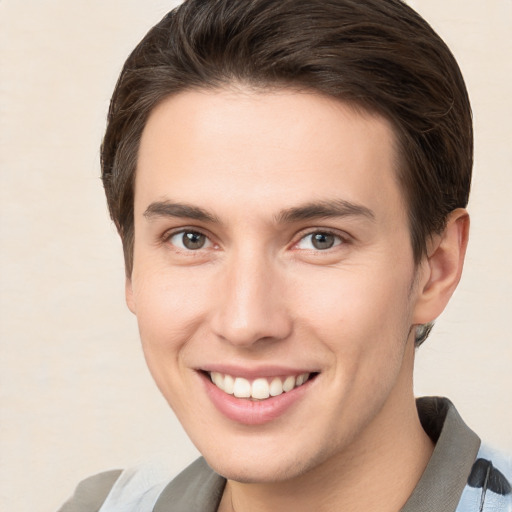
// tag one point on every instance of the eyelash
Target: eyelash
(340, 239)
(171, 234)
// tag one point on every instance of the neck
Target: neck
(378, 471)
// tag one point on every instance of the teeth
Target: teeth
(229, 384)
(242, 388)
(276, 387)
(301, 379)
(218, 380)
(259, 389)
(289, 383)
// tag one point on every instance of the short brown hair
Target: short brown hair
(379, 55)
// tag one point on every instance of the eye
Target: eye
(190, 240)
(319, 241)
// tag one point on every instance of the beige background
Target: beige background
(75, 395)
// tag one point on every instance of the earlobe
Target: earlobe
(128, 293)
(442, 268)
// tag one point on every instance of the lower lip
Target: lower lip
(249, 412)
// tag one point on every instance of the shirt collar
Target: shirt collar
(439, 489)
(444, 478)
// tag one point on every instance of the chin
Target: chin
(258, 472)
(267, 468)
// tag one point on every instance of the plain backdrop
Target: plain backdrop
(75, 394)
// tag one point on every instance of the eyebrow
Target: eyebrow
(308, 211)
(324, 210)
(181, 210)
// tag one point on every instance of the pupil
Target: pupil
(193, 240)
(323, 240)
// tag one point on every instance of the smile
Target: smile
(260, 388)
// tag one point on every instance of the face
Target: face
(273, 277)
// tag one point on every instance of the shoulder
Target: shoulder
(494, 467)
(463, 475)
(198, 487)
(489, 485)
(149, 488)
(91, 492)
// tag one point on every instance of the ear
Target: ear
(440, 271)
(128, 293)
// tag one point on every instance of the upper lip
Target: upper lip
(257, 371)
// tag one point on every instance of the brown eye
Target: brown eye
(190, 240)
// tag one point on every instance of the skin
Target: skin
(258, 293)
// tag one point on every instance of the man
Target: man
(289, 180)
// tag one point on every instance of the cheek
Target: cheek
(364, 322)
(168, 300)
(169, 312)
(356, 300)
(362, 318)
(170, 309)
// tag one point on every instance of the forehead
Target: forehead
(281, 147)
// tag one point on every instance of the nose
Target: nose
(251, 304)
